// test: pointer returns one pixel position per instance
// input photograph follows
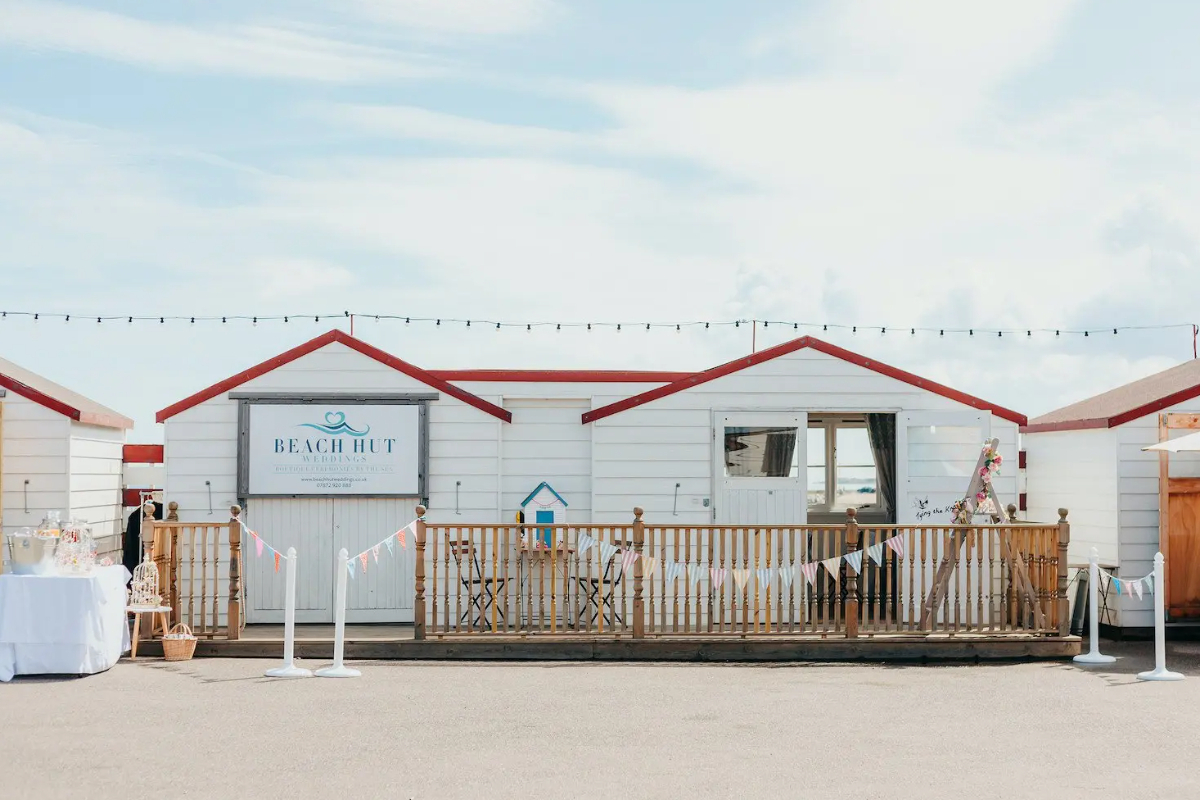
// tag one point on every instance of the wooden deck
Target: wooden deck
(395, 642)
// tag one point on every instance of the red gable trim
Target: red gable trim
(86, 417)
(142, 454)
(791, 347)
(1153, 407)
(1069, 425)
(558, 376)
(316, 344)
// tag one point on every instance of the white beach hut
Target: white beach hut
(59, 451)
(1090, 456)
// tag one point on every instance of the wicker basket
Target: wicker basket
(179, 644)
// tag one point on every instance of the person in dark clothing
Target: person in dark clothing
(132, 552)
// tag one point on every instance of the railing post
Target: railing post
(419, 602)
(1064, 542)
(639, 541)
(851, 575)
(173, 569)
(233, 614)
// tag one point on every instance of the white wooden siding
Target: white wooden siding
(1076, 470)
(96, 462)
(547, 441)
(36, 448)
(675, 427)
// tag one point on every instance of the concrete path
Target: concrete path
(216, 729)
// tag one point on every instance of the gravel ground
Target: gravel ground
(217, 729)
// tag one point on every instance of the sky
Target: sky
(1024, 165)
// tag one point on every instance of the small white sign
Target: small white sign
(352, 449)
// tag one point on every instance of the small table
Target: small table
(159, 612)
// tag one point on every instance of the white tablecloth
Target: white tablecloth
(62, 625)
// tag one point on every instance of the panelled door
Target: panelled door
(760, 468)
(318, 528)
(936, 453)
(1183, 548)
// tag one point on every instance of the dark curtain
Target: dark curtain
(131, 552)
(882, 430)
(777, 456)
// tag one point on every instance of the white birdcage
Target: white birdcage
(143, 589)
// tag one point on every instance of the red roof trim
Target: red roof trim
(1068, 425)
(43, 399)
(316, 344)
(142, 454)
(558, 376)
(790, 347)
(1181, 396)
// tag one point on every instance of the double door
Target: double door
(318, 528)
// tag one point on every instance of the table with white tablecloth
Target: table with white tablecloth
(62, 624)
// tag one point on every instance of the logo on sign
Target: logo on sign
(336, 425)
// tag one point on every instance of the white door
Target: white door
(384, 593)
(760, 468)
(936, 452)
(307, 525)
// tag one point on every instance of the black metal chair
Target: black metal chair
(481, 589)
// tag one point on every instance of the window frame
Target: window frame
(829, 423)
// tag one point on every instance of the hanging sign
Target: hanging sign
(352, 449)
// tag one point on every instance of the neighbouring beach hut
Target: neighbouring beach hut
(59, 451)
(1126, 502)
(796, 433)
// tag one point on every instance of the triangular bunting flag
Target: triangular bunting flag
(1149, 579)
(695, 573)
(854, 560)
(390, 546)
(627, 560)
(1117, 584)
(875, 551)
(585, 543)
(765, 576)
(896, 543)
(718, 577)
(276, 560)
(810, 573)
(350, 568)
(363, 558)
(740, 576)
(375, 553)
(607, 551)
(648, 565)
(258, 546)
(400, 539)
(832, 566)
(671, 571)
(1137, 589)
(787, 575)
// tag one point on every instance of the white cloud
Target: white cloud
(253, 50)
(411, 122)
(458, 16)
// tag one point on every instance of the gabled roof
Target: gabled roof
(790, 347)
(558, 375)
(429, 379)
(47, 393)
(542, 485)
(1125, 403)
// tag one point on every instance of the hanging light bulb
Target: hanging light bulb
(67, 318)
(677, 329)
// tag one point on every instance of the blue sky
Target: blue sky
(1029, 164)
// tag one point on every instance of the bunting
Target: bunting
(607, 551)
(671, 571)
(765, 576)
(896, 543)
(740, 576)
(875, 551)
(831, 566)
(375, 549)
(350, 568)
(363, 558)
(1137, 589)
(718, 578)
(258, 545)
(648, 566)
(854, 561)
(584, 543)
(786, 576)
(1117, 584)
(277, 561)
(627, 560)
(695, 573)
(391, 547)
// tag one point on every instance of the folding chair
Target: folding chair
(593, 588)
(481, 589)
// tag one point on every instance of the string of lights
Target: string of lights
(766, 324)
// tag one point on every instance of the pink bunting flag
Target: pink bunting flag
(896, 543)
(400, 538)
(375, 552)
(810, 572)
(258, 545)
(276, 560)
(718, 578)
(363, 558)
(627, 560)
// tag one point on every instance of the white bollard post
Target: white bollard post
(289, 668)
(1160, 672)
(1093, 655)
(340, 670)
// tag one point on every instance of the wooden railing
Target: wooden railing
(740, 580)
(200, 572)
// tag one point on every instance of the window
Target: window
(841, 465)
(761, 453)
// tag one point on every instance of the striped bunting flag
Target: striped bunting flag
(375, 552)
(1137, 589)
(627, 560)
(695, 573)
(896, 543)
(350, 568)
(875, 551)
(391, 547)
(648, 566)
(740, 576)
(854, 560)
(1149, 579)
(671, 571)
(765, 576)
(607, 551)
(585, 543)
(810, 573)
(718, 577)
(1117, 584)
(787, 575)
(832, 566)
